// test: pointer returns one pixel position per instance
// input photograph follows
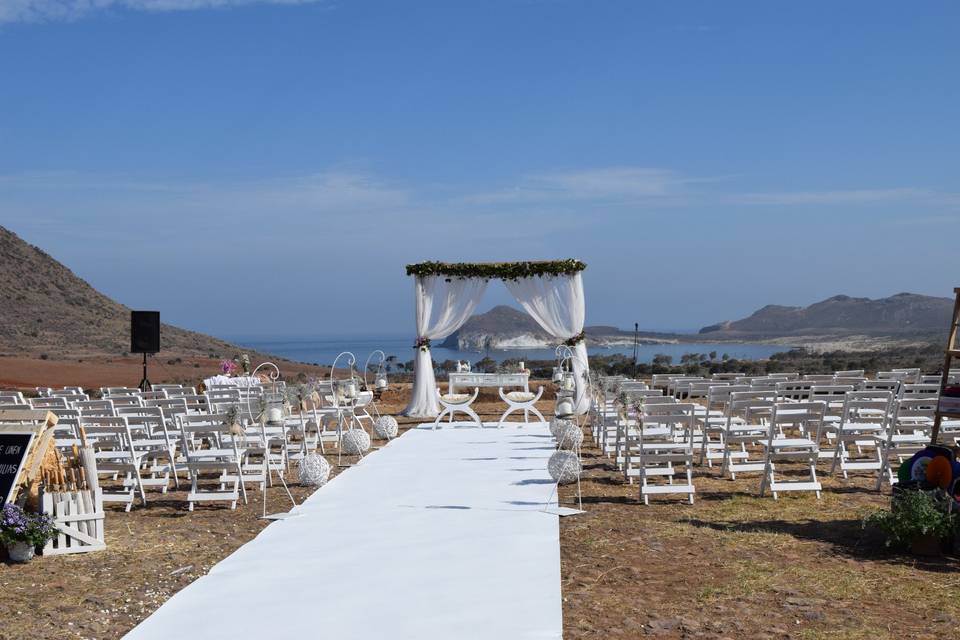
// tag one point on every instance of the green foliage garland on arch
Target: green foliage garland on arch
(497, 270)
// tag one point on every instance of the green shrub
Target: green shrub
(914, 513)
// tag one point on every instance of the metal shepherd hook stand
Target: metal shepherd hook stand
(565, 358)
(274, 375)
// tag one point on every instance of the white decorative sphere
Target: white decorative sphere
(355, 441)
(274, 415)
(556, 425)
(313, 470)
(564, 467)
(386, 427)
(569, 436)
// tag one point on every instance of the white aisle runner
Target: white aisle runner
(437, 535)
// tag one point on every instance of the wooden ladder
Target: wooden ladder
(953, 351)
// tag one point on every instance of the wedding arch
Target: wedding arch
(447, 293)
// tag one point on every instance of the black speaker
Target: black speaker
(144, 331)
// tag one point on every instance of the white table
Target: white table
(470, 380)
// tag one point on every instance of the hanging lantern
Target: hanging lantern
(273, 415)
(380, 384)
(557, 375)
(568, 383)
(564, 406)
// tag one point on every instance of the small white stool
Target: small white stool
(453, 402)
(521, 401)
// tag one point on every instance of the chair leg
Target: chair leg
(473, 414)
(538, 414)
(504, 416)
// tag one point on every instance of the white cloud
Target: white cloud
(605, 183)
(851, 196)
(51, 10)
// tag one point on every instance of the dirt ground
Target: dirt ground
(730, 566)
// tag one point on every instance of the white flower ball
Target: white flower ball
(313, 470)
(355, 441)
(557, 424)
(564, 467)
(569, 436)
(386, 427)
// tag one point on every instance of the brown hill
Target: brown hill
(899, 315)
(46, 309)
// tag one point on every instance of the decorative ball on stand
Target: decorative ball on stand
(355, 441)
(564, 467)
(556, 425)
(313, 470)
(569, 436)
(386, 427)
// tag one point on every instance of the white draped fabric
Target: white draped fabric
(443, 305)
(558, 305)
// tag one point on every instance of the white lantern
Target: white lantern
(355, 441)
(564, 467)
(386, 427)
(380, 384)
(564, 406)
(557, 375)
(569, 384)
(313, 470)
(273, 415)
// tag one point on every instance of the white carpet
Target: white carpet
(437, 535)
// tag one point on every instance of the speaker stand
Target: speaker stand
(144, 384)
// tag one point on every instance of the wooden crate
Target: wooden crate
(78, 516)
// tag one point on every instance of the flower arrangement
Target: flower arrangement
(497, 270)
(575, 340)
(423, 344)
(244, 362)
(18, 527)
(228, 367)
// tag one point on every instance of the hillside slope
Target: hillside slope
(46, 309)
(898, 315)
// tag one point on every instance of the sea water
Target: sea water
(324, 350)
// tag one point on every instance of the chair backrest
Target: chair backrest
(49, 403)
(850, 373)
(765, 383)
(152, 395)
(677, 419)
(911, 375)
(95, 407)
(920, 390)
(854, 381)
(701, 389)
(728, 376)
(12, 397)
(930, 379)
(108, 392)
(126, 401)
(719, 395)
(107, 432)
(880, 384)
(830, 392)
(752, 406)
(785, 375)
(149, 423)
(914, 411)
(820, 378)
(868, 407)
(71, 396)
(794, 390)
(807, 414)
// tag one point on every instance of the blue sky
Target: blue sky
(269, 167)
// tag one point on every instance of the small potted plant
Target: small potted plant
(917, 520)
(23, 532)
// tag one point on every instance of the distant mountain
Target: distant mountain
(903, 314)
(504, 327)
(46, 309)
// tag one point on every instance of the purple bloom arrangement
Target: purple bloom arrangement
(16, 525)
(228, 367)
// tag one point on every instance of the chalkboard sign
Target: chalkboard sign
(14, 447)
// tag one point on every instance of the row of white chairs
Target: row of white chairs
(746, 429)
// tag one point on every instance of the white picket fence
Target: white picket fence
(78, 516)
